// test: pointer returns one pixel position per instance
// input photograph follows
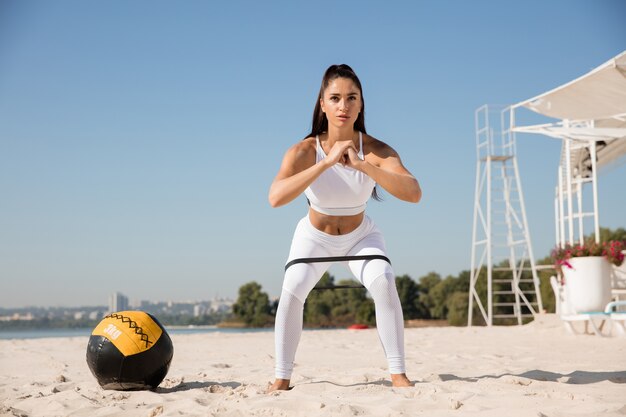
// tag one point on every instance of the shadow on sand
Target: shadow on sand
(576, 377)
(360, 384)
(187, 386)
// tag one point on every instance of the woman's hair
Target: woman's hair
(320, 122)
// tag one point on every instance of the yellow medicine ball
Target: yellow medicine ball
(129, 350)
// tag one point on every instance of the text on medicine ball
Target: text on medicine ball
(112, 331)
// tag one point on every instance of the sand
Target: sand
(532, 370)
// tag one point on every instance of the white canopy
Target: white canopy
(592, 125)
(599, 94)
(591, 108)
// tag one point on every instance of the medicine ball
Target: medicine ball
(129, 350)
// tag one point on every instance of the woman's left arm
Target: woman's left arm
(384, 166)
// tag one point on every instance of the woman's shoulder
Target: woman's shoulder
(377, 146)
(308, 141)
(307, 145)
(303, 149)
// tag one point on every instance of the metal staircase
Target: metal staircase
(500, 230)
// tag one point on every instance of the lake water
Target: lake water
(44, 333)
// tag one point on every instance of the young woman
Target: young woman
(337, 167)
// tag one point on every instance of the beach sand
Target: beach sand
(532, 370)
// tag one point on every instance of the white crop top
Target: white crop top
(340, 191)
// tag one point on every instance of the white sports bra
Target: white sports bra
(340, 191)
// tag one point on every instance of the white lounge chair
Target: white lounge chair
(617, 317)
(595, 320)
(618, 283)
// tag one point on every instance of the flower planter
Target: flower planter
(587, 284)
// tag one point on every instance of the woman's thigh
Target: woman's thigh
(367, 271)
(300, 278)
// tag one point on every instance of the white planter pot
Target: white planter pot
(587, 284)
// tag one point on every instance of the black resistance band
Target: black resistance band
(336, 259)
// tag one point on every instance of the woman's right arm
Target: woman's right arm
(297, 171)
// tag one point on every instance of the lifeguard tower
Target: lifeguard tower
(588, 115)
(500, 229)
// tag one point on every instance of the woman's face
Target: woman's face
(341, 102)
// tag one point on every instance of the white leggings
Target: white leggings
(376, 275)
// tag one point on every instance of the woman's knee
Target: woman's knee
(369, 271)
(383, 289)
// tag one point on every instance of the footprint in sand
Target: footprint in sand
(156, 411)
(222, 365)
(455, 404)
(516, 380)
(172, 382)
(217, 389)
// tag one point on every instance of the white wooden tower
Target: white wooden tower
(501, 247)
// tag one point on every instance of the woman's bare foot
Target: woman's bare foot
(279, 385)
(400, 380)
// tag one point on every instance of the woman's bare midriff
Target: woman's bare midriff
(335, 225)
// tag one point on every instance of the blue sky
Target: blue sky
(138, 139)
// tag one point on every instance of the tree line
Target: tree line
(429, 297)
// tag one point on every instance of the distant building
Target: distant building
(95, 315)
(199, 310)
(118, 302)
(221, 305)
(18, 316)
